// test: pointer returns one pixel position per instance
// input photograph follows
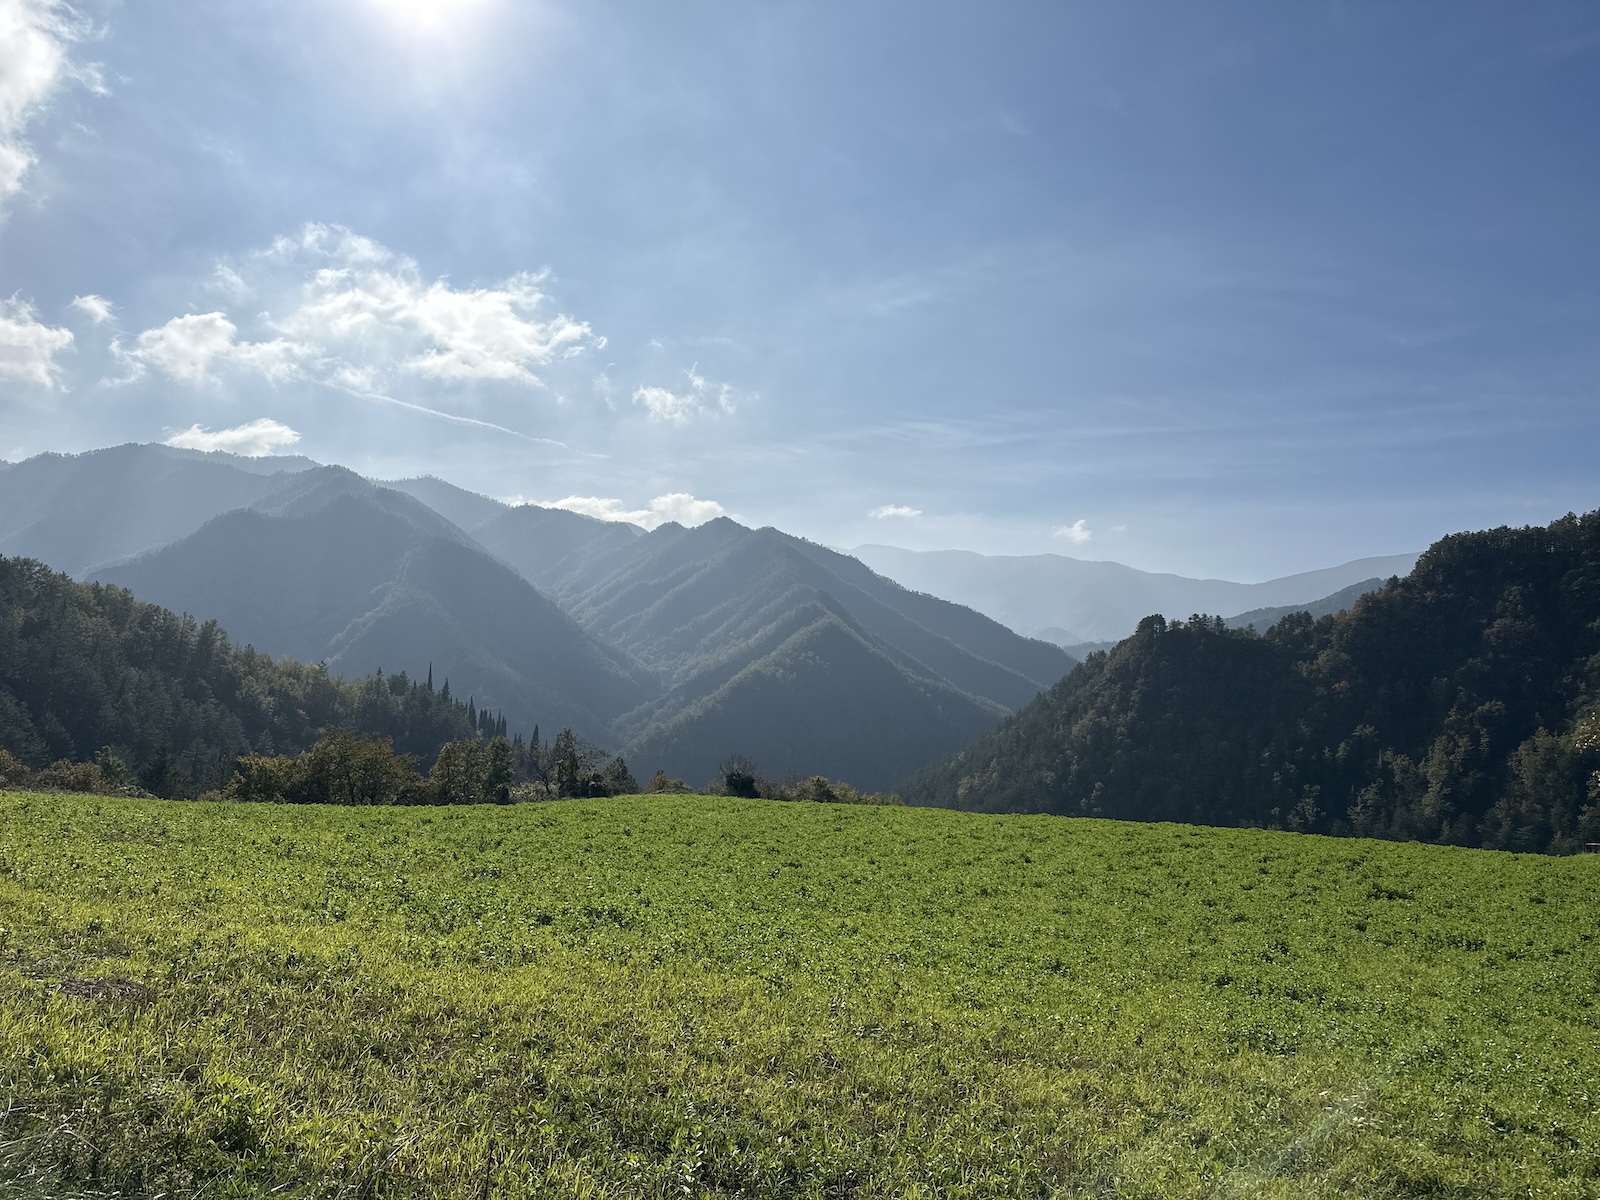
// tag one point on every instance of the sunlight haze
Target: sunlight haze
(1236, 293)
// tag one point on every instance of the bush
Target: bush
(64, 775)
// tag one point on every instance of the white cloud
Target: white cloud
(665, 405)
(253, 439)
(96, 308)
(34, 38)
(684, 509)
(190, 347)
(675, 408)
(362, 303)
(1077, 533)
(895, 510)
(28, 348)
(674, 506)
(332, 308)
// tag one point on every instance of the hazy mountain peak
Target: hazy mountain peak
(467, 509)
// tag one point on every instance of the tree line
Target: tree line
(347, 768)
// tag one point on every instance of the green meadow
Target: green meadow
(689, 996)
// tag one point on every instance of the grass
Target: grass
(687, 996)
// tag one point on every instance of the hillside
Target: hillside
(334, 569)
(1457, 704)
(88, 668)
(685, 995)
(1072, 601)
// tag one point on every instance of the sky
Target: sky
(1234, 290)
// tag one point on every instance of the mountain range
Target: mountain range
(1072, 601)
(680, 646)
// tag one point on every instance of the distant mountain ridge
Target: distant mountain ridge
(82, 511)
(1263, 619)
(1079, 600)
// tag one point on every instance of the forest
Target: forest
(168, 704)
(1460, 704)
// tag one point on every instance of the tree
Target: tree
(459, 772)
(739, 776)
(498, 776)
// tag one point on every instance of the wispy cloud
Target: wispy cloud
(35, 37)
(698, 396)
(253, 439)
(1077, 533)
(359, 385)
(28, 347)
(895, 510)
(674, 506)
(97, 308)
(665, 405)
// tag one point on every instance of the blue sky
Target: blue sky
(1235, 290)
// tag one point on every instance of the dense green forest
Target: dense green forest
(1460, 704)
(169, 704)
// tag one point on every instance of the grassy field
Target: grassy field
(684, 996)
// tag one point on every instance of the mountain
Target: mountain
(815, 695)
(333, 568)
(1263, 619)
(679, 599)
(1458, 704)
(81, 511)
(672, 641)
(89, 670)
(462, 508)
(753, 628)
(549, 544)
(1074, 600)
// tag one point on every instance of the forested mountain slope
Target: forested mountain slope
(333, 568)
(677, 597)
(812, 693)
(87, 667)
(80, 511)
(1459, 704)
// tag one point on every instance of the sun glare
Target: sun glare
(427, 16)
